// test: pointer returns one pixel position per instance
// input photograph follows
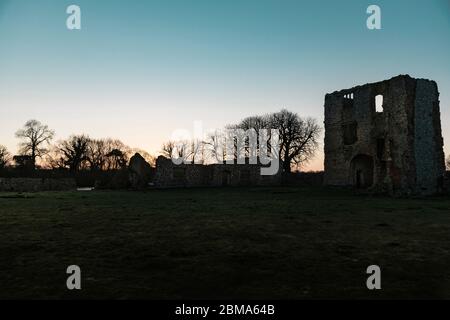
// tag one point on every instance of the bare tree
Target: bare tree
(5, 157)
(229, 144)
(255, 122)
(96, 154)
(117, 154)
(117, 159)
(53, 159)
(168, 149)
(215, 147)
(197, 154)
(74, 152)
(81, 152)
(35, 136)
(177, 149)
(298, 137)
(259, 124)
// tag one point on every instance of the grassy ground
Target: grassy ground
(223, 243)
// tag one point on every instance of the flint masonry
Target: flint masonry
(385, 136)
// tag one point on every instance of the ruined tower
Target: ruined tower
(385, 136)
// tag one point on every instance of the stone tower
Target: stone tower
(385, 136)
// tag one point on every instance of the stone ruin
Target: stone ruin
(169, 175)
(386, 137)
(140, 172)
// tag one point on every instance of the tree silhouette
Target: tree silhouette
(298, 137)
(97, 151)
(4, 157)
(215, 147)
(74, 152)
(35, 136)
(117, 159)
(117, 155)
(178, 149)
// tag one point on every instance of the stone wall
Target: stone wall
(169, 175)
(398, 150)
(36, 184)
(196, 175)
(430, 158)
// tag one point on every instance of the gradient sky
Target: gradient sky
(138, 70)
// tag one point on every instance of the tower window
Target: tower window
(379, 103)
(348, 96)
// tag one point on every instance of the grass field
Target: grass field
(223, 243)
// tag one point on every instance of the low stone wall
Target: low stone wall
(36, 184)
(185, 175)
(304, 179)
(213, 175)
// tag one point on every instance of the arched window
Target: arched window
(379, 103)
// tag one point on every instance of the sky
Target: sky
(139, 70)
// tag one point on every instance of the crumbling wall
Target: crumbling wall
(184, 175)
(430, 158)
(196, 175)
(139, 172)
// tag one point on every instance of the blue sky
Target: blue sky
(138, 70)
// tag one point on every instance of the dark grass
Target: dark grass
(250, 243)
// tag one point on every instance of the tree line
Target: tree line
(78, 152)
